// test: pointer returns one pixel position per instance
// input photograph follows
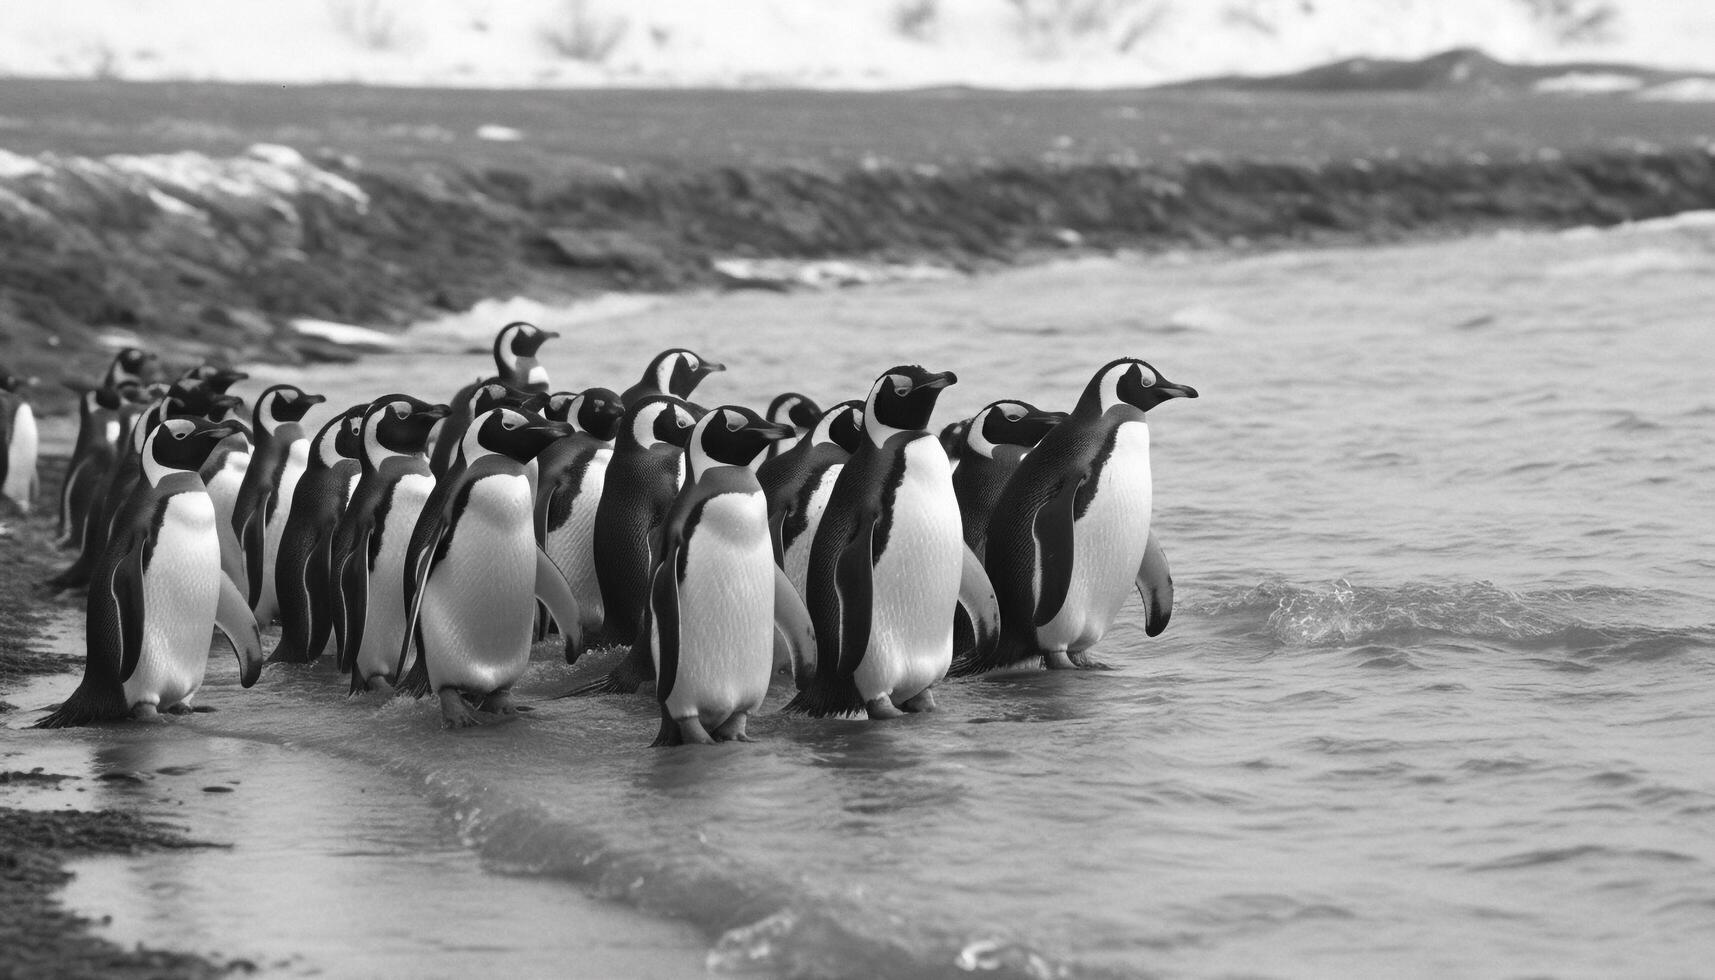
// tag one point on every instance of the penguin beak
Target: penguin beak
(946, 379)
(313, 399)
(774, 431)
(713, 367)
(221, 431)
(1170, 390)
(437, 411)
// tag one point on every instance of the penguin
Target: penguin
(132, 364)
(18, 480)
(1071, 534)
(643, 478)
(304, 587)
(996, 439)
(888, 566)
(797, 484)
(675, 371)
(474, 571)
(717, 599)
(572, 473)
(515, 366)
(265, 495)
(185, 397)
(101, 418)
(952, 438)
(799, 412)
(226, 466)
(367, 563)
(158, 592)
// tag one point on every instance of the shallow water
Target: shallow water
(1435, 700)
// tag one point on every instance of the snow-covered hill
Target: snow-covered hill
(824, 43)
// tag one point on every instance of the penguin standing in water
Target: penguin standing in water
(1071, 536)
(798, 483)
(643, 478)
(996, 440)
(307, 594)
(716, 595)
(265, 496)
(675, 371)
(572, 473)
(158, 591)
(515, 366)
(799, 412)
(474, 570)
(18, 481)
(368, 559)
(888, 566)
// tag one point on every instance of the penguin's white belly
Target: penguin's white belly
(110, 431)
(798, 555)
(224, 485)
(384, 614)
(726, 612)
(268, 600)
(1107, 546)
(21, 459)
(479, 602)
(572, 544)
(181, 588)
(916, 582)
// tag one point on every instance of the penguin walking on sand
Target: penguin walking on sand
(474, 571)
(1071, 535)
(307, 594)
(995, 441)
(675, 371)
(515, 366)
(717, 600)
(793, 409)
(281, 455)
(888, 566)
(643, 478)
(571, 474)
(798, 483)
(158, 591)
(18, 438)
(368, 558)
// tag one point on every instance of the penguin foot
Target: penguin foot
(880, 707)
(500, 703)
(732, 730)
(457, 713)
(691, 730)
(178, 709)
(147, 713)
(380, 685)
(1083, 661)
(924, 701)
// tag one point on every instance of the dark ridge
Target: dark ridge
(1457, 69)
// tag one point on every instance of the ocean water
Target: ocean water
(1437, 698)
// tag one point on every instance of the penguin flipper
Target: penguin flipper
(854, 578)
(1054, 553)
(794, 633)
(232, 559)
(556, 594)
(114, 642)
(124, 580)
(352, 575)
(977, 600)
(252, 536)
(1155, 587)
(662, 626)
(233, 617)
(420, 556)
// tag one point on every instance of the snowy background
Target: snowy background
(845, 44)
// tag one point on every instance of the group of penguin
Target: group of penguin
(848, 551)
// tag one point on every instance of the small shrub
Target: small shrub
(374, 24)
(917, 20)
(582, 35)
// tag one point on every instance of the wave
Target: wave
(1583, 620)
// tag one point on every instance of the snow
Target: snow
(848, 44)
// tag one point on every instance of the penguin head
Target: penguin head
(197, 396)
(596, 412)
(902, 401)
(660, 420)
(495, 393)
(1129, 381)
(1009, 423)
(341, 437)
(796, 410)
(678, 371)
(841, 426)
(132, 364)
(398, 424)
(281, 404)
(182, 442)
(952, 438)
(214, 377)
(733, 436)
(515, 348)
(511, 432)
